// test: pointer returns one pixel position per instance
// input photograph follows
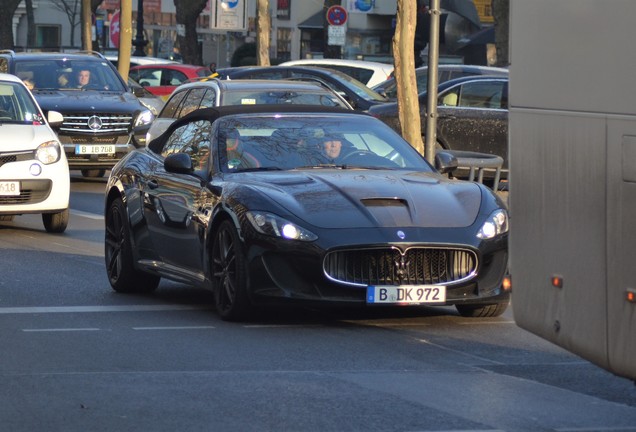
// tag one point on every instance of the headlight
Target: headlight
(496, 224)
(48, 152)
(144, 117)
(270, 224)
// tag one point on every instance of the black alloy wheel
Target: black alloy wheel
(122, 275)
(229, 274)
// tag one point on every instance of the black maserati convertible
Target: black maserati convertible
(265, 204)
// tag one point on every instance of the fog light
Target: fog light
(35, 169)
(507, 283)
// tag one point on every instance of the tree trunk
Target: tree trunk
(501, 14)
(125, 38)
(263, 30)
(30, 24)
(8, 8)
(187, 12)
(404, 58)
(87, 25)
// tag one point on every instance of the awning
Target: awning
(464, 8)
(316, 21)
(481, 37)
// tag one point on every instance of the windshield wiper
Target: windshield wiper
(327, 166)
(270, 168)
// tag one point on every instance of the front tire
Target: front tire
(482, 311)
(55, 222)
(122, 274)
(229, 274)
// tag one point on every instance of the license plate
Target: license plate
(9, 188)
(416, 294)
(94, 149)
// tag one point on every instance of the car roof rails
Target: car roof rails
(94, 53)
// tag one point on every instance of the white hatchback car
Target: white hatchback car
(34, 174)
(367, 72)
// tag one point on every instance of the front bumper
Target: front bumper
(47, 192)
(298, 273)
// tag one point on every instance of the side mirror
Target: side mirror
(180, 163)
(55, 119)
(445, 162)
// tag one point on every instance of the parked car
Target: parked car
(139, 60)
(445, 72)
(214, 92)
(369, 73)
(472, 115)
(34, 175)
(162, 79)
(153, 102)
(98, 116)
(359, 96)
(256, 204)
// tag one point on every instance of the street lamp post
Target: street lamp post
(139, 41)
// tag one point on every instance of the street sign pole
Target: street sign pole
(431, 101)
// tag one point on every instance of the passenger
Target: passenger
(27, 82)
(237, 157)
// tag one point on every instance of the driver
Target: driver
(332, 148)
(83, 77)
(335, 148)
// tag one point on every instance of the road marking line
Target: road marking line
(281, 325)
(471, 323)
(90, 309)
(88, 215)
(175, 328)
(59, 330)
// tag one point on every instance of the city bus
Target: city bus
(572, 150)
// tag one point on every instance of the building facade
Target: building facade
(300, 28)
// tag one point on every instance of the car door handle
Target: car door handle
(447, 116)
(152, 184)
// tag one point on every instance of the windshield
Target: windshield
(357, 87)
(17, 105)
(286, 142)
(66, 74)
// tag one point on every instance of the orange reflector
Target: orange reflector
(631, 296)
(557, 281)
(507, 283)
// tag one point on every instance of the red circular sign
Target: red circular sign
(336, 15)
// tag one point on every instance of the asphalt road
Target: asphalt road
(77, 356)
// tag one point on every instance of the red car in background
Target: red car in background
(162, 79)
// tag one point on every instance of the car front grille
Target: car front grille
(95, 124)
(31, 192)
(391, 266)
(15, 157)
